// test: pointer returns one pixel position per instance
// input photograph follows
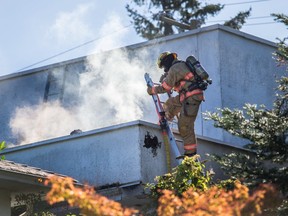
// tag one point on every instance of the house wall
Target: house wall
(5, 203)
(240, 65)
(247, 72)
(100, 157)
(121, 154)
(18, 91)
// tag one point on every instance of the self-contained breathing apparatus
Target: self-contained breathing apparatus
(200, 74)
(201, 77)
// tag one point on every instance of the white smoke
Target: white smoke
(113, 26)
(70, 27)
(42, 121)
(112, 91)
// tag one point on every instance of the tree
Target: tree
(238, 21)
(198, 199)
(189, 174)
(219, 201)
(89, 202)
(157, 18)
(267, 131)
(281, 57)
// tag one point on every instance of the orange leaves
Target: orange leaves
(169, 204)
(86, 199)
(214, 201)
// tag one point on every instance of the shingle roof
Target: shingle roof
(10, 166)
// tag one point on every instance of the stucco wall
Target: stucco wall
(248, 71)
(109, 155)
(117, 154)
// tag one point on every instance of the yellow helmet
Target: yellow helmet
(162, 56)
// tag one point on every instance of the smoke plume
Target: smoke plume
(112, 90)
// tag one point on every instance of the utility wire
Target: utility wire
(69, 50)
(264, 23)
(237, 3)
(261, 17)
(251, 24)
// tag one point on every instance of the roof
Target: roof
(11, 166)
(17, 177)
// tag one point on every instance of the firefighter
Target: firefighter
(178, 77)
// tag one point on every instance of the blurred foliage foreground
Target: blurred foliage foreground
(187, 190)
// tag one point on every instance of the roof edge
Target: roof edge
(104, 130)
(201, 31)
(79, 135)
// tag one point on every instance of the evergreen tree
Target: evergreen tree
(158, 18)
(239, 20)
(267, 131)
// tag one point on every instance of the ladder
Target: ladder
(168, 136)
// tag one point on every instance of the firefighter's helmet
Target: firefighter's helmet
(163, 56)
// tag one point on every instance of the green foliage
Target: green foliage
(251, 170)
(266, 132)
(281, 18)
(281, 103)
(239, 20)
(227, 184)
(265, 129)
(190, 173)
(2, 147)
(281, 54)
(146, 16)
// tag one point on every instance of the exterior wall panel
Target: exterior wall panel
(100, 157)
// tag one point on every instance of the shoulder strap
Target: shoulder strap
(178, 61)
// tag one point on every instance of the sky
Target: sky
(36, 33)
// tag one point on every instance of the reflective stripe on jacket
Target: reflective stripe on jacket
(179, 78)
(187, 94)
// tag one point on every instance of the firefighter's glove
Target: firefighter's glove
(169, 116)
(150, 90)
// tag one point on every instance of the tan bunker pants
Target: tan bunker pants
(188, 112)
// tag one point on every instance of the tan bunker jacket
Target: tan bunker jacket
(179, 78)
